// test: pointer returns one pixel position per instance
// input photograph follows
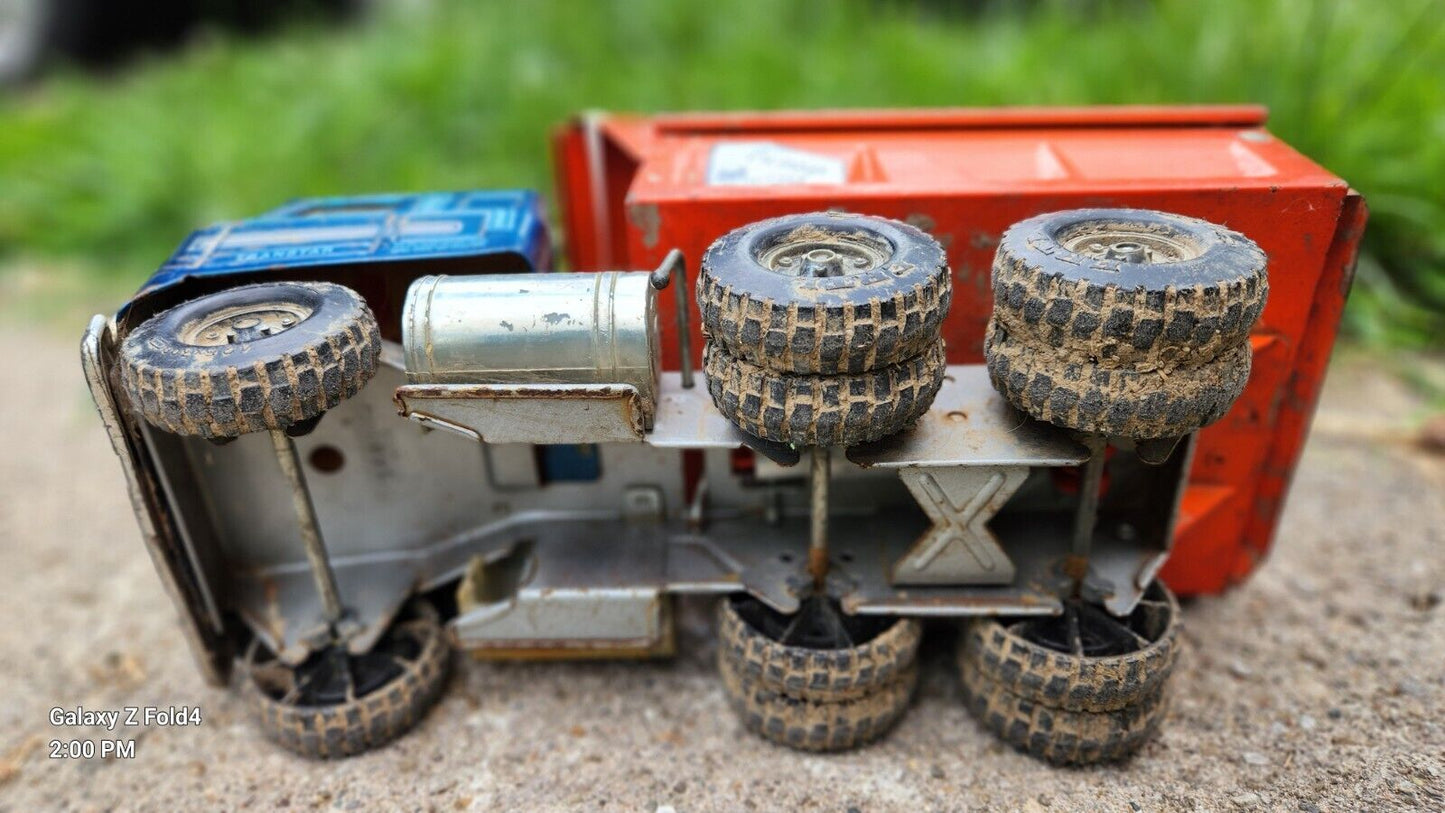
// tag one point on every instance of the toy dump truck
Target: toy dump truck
(842, 371)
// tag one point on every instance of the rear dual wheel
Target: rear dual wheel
(823, 410)
(828, 293)
(817, 680)
(1120, 324)
(1078, 688)
(1118, 402)
(824, 329)
(1124, 322)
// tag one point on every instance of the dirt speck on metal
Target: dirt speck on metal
(1317, 684)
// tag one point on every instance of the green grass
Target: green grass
(112, 173)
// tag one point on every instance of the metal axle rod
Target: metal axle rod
(310, 529)
(1086, 516)
(818, 530)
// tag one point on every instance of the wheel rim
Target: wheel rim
(1128, 242)
(819, 623)
(817, 251)
(245, 323)
(332, 676)
(1088, 631)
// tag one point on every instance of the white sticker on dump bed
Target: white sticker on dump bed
(762, 163)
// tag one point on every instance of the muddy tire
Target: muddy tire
(311, 711)
(1120, 402)
(815, 725)
(265, 356)
(1128, 286)
(827, 293)
(818, 410)
(815, 674)
(1061, 736)
(1010, 659)
(1078, 688)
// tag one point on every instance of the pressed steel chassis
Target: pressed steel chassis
(586, 569)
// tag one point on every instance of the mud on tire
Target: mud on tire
(817, 674)
(818, 725)
(1061, 736)
(266, 356)
(818, 410)
(1128, 286)
(1082, 687)
(877, 299)
(366, 717)
(1067, 681)
(1114, 401)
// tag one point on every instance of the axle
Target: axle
(818, 530)
(310, 528)
(1086, 516)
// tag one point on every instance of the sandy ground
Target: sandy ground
(1317, 685)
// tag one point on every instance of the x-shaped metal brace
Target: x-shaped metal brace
(959, 548)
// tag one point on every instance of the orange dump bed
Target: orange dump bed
(633, 187)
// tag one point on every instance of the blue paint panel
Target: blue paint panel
(570, 463)
(366, 229)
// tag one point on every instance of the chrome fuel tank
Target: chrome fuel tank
(562, 328)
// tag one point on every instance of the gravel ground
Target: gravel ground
(1317, 685)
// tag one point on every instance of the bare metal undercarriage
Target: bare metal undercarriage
(957, 517)
(517, 478)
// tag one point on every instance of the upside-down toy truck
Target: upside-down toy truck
(842, 370)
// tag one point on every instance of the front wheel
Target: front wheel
(258, 357)
(335, 704)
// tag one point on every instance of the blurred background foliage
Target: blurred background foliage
(107, 173)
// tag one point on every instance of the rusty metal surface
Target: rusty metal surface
(393, 490)
(1037, 545)
(405, 509)
(584, 585)
(530, 413)
(179, 576)
(311, 539)
(819, 477)
(282, 607)
(565, 564)
(184, 507)
(687, 419)
(970, 424)
(612, 618)
(574, 593)
(568, 571)
(534, 329)
(410, 509)
(393, 487)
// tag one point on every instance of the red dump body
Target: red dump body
(633, 187)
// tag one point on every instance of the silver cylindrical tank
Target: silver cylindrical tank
(557, 328)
